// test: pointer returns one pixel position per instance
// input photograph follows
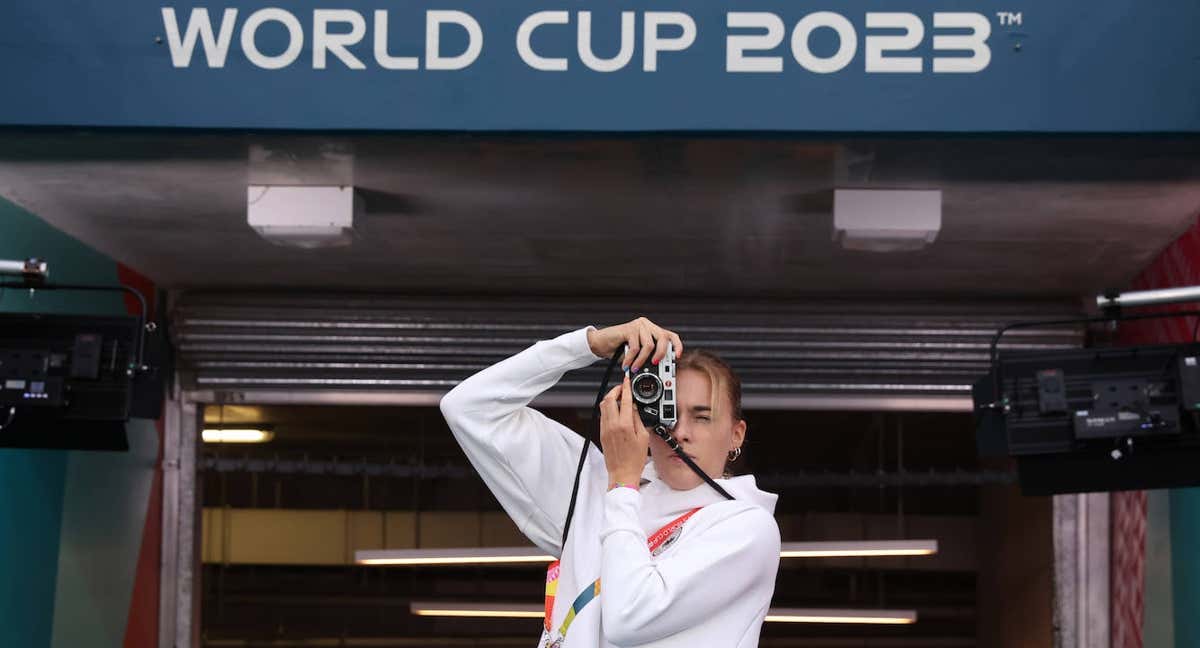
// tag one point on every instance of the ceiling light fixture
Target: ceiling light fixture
(868, 616)
(482, 610)
(304, 217)
(237, 435)
(878, 220)
(859, 549)
(479, 610)
(518, 555)
(463, 556)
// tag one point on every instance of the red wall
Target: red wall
(141, 628)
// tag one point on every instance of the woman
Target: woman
(654, 557)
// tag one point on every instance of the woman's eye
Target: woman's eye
(702, 418)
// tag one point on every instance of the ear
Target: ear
(739, 435)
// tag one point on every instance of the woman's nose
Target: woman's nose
(682, 432)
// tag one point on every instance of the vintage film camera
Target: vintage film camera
(654, 392)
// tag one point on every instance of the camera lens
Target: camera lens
(647, 388)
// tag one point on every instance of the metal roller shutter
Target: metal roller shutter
(278, 348)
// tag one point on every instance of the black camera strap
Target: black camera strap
(587, 441)
(665, 434)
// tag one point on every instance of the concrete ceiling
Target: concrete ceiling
(619, 216)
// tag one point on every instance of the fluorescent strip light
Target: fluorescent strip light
(519, 555)
(479, 610)
(803, 615)
(774, 615)
(858, 549)
(236, 435)
(464, 556)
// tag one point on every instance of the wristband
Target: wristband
(615, 485)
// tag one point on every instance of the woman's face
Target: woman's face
(706, 438)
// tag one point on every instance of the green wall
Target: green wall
(1185, 560)
(70, 522)
(1158, 601)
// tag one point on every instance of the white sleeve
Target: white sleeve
(643, 600)
(527, 460)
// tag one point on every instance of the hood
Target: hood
(743, 488)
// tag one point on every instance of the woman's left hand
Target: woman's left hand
(624, 438)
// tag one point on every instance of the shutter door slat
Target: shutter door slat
(351, 348)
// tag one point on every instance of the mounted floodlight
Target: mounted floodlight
(1090, 420)
(879, 220)
(303, 217)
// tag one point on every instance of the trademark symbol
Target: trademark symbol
(1009, 18)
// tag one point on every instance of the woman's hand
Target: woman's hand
(646, 340)
(624, 439)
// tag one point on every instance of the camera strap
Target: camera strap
(665, 434)
(587, 442)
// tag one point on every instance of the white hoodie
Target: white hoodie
(711, 587)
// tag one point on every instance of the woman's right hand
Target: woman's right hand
(646, 340)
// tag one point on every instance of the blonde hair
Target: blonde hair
(721, 378)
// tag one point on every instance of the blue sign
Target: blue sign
(656, 65)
